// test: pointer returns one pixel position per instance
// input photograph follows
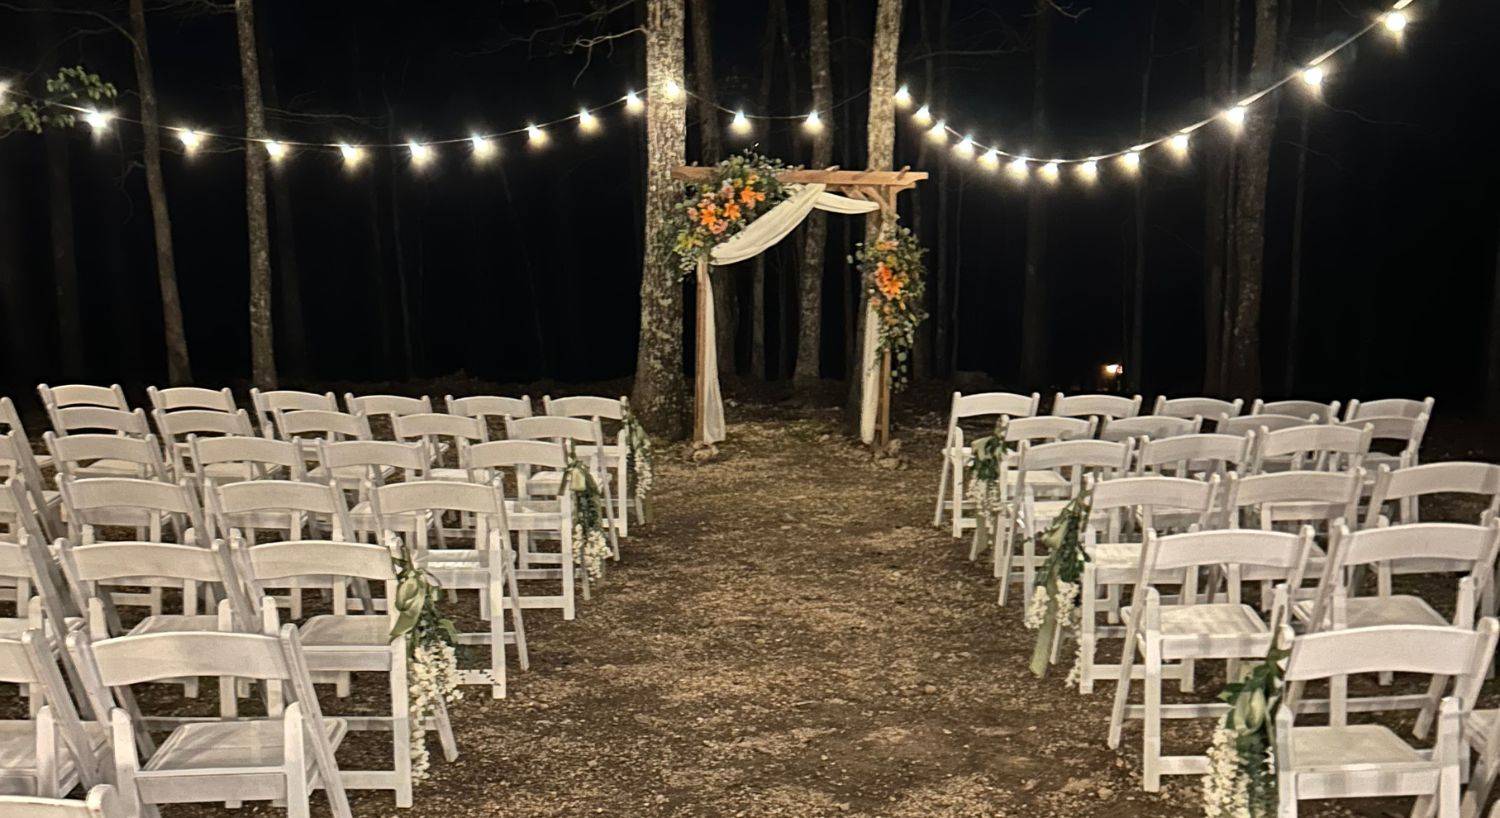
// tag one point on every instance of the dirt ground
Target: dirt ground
(791, 637)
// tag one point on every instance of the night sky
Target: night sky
(529, 267)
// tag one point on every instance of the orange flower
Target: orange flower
(731, 211)
(887, 282)
(717, 227)
(748, 196)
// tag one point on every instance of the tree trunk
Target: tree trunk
(60, 219)
(292, 323)
(1216, 165)
(947, 275)
(787, 271)
(758, 265)
(815, 229)
(926, 347)
(1134, 365)
(1299, 209)
(1492, 390)
(1034, 299)
(1251, 174)
(880, 155)
(179, 368)
(658, 392)
(710, 151)
(262, 340)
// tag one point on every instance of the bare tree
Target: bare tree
(262, 341)
(815, 230)
(1217, 78)
(291, 322)
(658, 392)
(710, 151)
(179, 367)
(1492, 380)
(1251, 173)
(774, 21)
(1299, 209)
(60, 217)
(1034, 298)
(1134, 365)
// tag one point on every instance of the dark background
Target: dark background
(529, 268)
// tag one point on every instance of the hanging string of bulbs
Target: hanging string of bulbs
(484, 146)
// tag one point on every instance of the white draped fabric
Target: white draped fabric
(761, 235)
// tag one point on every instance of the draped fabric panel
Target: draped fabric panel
(759, 236)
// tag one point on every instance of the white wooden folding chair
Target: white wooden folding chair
(357, 464)
(1340, 760)
(343, 642)
(1248, 424)
(1107, 407)
(387, 407)
(1288, 501)
(438, 433)
(992, 406)
(1405, 487)
(97, 455)
(410, 510)
(1193, 630)
(176, 427)
(177, 398)
(1023, 515)
(1120, 512)
(18, 460)
(532, 517)
(79, 395)
(306, 426)
(1154, 427)
(267, 404)
(234, 458)
(615, 454)
(1392, 430)
(488, 408)
(1197, 407)
(74, 419)
(1046, 484)
(1196, 455)
(1315, 411)
(48, 753)
(1317, 447)
(586, 437)
(1389, 407)
(100, 802)
(284, 756)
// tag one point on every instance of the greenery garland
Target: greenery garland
(743, 187)
(894, 283)
(590, 543)
(431, 650)
(72, 86)
(1241, 781)
(640, 457)
(984, 484)
(1054, 604)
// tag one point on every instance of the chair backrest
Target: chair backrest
(101, 802)
(1425, 649)
(1146, 496)
(184, 422)
(1301, 496)
(1185, 455)
(505, 454)
(485, 499)
(389, 407)
(987, 404)
(1197, 407)
(251, 452)
(70, 452)
(264, 565)
(579, 430)
(1155, 427)
(584, 406)
(176, 398)
(374, 456)
(1246, 424)
(18, 463)
(1049, 428)
(1472, 545)
(267, 404)
(70, 419)
(489, 406)
(1077, 457)
(1389, 407)
(125, 563)
(1319, 446)
(115, 500)
(1319, 412)
(330, 425)
(1457, 477)
(82, 394)
(429, 429)
(1250, 554)
(1104, 406)
(301, 502)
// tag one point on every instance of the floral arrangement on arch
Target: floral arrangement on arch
(895, 282)
(743, 187)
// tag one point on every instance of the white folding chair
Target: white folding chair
(1108, 407)
(48, 753)
(1248, 424)
(487, 408)
(530, 517)
(1341, 760)
(956, 453)
(1192, 630)
(267, 404)
(1389, 407)
(73, 419)
(96, 455)
(586, 437)
(1024, 515)
(343, 642)
(176, 427)
(1318, 447)
(99, 802)
(614, 455)
(356, 464)
(306, 426)
(435, 431)
(1197, 407)
(1034, 430)
(1405, 487)
(1195, 455)
(1154, 427)
(1114, 550)
(1318, 412)
(235, 458)
(410, 510)
(388, 407)
(177, 398)
(79, 395)
(284, 756)
(1392, 429)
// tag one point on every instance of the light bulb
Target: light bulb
(1395, 22)
(353, 155)
(420, 154)
(902, 97)
(938, 132)
(1179, 144)
(1235, 116)
(633, 102)
(275, 150)
(1089, 171)
(587, 122)
(1131, 160)
(1313, 77)
(483, 148)
(1017, 166)
(98, 120)
(813, 123)
(923, 116)
(191, 140)
(4, 88)
(535, 135)
(1049, 171)
(672, 90)
(741, 123)
(990, 159)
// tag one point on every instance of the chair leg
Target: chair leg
(1480, 782)
(1448, 792)
(1425, 719)
(1122, 695)
(1086, 638)
(445, 731)
(624, 507)
(937, 511)
(401, 731)
(1286, 796)
(1004, 557)
(958, 498)
(1151, 744)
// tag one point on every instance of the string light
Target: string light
(902, 97)
(1089, 170)
(741, 123)
(5, 88)
(1049, 171)
(813, 123)
(672, 90)
(923, 116)
(98, 120)
(1131, 160)
(1313, 77)
(536, 136)
(633, 102)
(991, 159)
(938, 132)
(275, 150)
(1179, 144)
(965, 147)
(1017, 167)
(420, 154)
(352, 155)
(1235, 116)
(191, 140)
(484, 148)
(587, 122)
(1395, 22)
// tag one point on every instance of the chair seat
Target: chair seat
(1368, 611)
(1211, 619)
(1316, 749)
(330, 630)
(231, 744)
(18, 745)
(11, 628)
(176, 623)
